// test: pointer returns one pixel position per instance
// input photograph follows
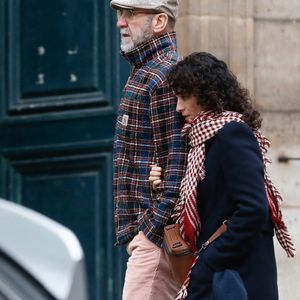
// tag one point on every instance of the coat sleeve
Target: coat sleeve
(242, 165)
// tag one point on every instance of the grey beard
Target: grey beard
(128, 47)
(145, 36)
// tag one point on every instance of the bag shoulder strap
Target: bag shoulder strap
(215, 235)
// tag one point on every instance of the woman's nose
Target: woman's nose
(179, 106)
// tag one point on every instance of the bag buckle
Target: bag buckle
(203, 246)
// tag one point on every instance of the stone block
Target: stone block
(289, 268)
(183, 37)
(277, 9)
(208, 7)
(282, 129)
(241, 60)
(277, 65)
(204, 34)
(183, 8)
(242, 8)
(286, 176)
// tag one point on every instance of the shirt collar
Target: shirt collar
(151, 48)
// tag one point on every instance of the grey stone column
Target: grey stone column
(277, 90)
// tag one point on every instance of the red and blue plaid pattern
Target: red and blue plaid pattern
(147, 132)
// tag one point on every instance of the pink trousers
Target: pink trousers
(148, 276)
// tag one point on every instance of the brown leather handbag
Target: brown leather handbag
(179, 254)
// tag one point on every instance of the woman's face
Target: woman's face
(189, 107)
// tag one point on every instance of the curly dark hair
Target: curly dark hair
(202, 75)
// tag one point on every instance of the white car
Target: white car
(39, 258)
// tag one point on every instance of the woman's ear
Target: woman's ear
(160, 23)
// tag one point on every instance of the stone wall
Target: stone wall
(260, 41)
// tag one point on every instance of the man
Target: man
(147, 133)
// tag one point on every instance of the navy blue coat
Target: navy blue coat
(234, 189)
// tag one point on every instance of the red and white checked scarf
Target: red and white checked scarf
(205, 126)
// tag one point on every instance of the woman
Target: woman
(226, 179)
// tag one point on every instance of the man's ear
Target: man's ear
(160, 23)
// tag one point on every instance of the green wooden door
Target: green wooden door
(60, 81)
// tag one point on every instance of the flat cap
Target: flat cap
(170, 7)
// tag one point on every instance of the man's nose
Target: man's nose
(121, 23)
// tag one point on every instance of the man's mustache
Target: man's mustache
(124, 31)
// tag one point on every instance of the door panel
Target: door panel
(74, 66)
(60, 80)
(60, 49)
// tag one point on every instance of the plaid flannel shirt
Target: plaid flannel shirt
(147, 132)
